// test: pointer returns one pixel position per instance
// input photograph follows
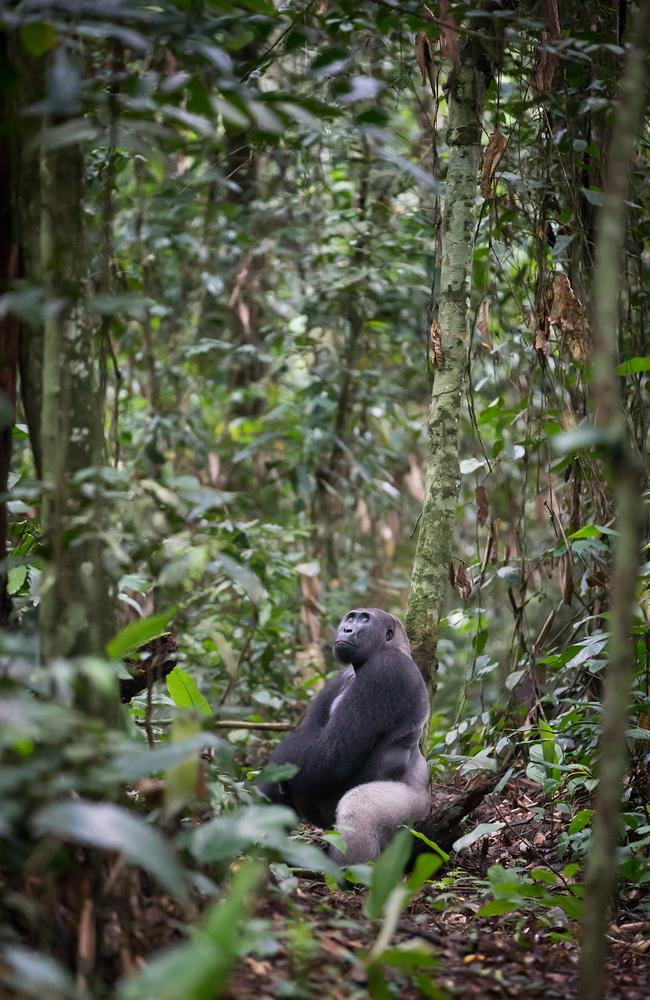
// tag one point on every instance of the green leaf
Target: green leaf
(136, 633)
(184, 692)
(34, 973)
(430, 843)
(244, 577)
(104, 825)
(426, 865)
(496, 907)
(580, 820)
(16, 578)
(633, 365)
(594, 197)
(226, 653)
(544, 875)
(133, 764)
(38, 37)
(200, 969)
(387, 873)
(482, 830)
(587, 531)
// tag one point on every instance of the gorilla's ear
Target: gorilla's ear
(389, 634)
(400, 640)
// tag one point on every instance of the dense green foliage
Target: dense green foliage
(261, 207)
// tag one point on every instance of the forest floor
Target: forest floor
(311, 939)
(529, 953)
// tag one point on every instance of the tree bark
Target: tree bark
(28, 89)
(430, 569)
(76, 610)
(626, 475)
(8, 339)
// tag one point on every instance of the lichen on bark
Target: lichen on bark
(430, 570)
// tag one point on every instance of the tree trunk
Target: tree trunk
(28, 89)
(8, 340)
(626, 476)
(76, 611)
(452, 338)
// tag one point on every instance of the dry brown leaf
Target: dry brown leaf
(363, 517)
(569, 317)
(448, 33)
(214, 467)
(414, 480)
(437, 352)
(496, 147)
(463, 584)
(424, 58)
(388, 538)
(482, 507)
(483, 324)
(566, 578)
(546, 61)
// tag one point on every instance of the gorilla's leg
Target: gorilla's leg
(368, 815)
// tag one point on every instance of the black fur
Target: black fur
(369, 734)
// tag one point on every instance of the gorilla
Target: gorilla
(360, 766)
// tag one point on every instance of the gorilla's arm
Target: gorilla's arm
(386, 698)
(291, 748)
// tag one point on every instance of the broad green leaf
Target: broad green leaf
(35, 973)
(633, 365)
(38, 37)
(387, 872)
(587, 531)
(544, 875)
(104, 825)
(184, 692)
(226, 653)
(136, 633)
(16, 578)
(426, 865)
(471, 465)
(580, 820)
(430, 843)
(244, 577)
(228, 834)
(181, 778)
(594, 197)
(200, 968)
(136, 763)
(482, 830)
(496, 907)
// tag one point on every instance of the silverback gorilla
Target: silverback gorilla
(360, 766)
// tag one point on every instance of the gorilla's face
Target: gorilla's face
(361, 633)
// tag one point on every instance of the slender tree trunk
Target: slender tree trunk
(76, 611)
(626, 476)
(452, 338)
(28, 89)
(8, 340)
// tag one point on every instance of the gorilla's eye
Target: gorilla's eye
(364, 618)
(389, 634)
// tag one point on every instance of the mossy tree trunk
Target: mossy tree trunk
(451, 332)
(77, 607)
(626, 476)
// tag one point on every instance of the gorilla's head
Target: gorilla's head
(365, 631)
